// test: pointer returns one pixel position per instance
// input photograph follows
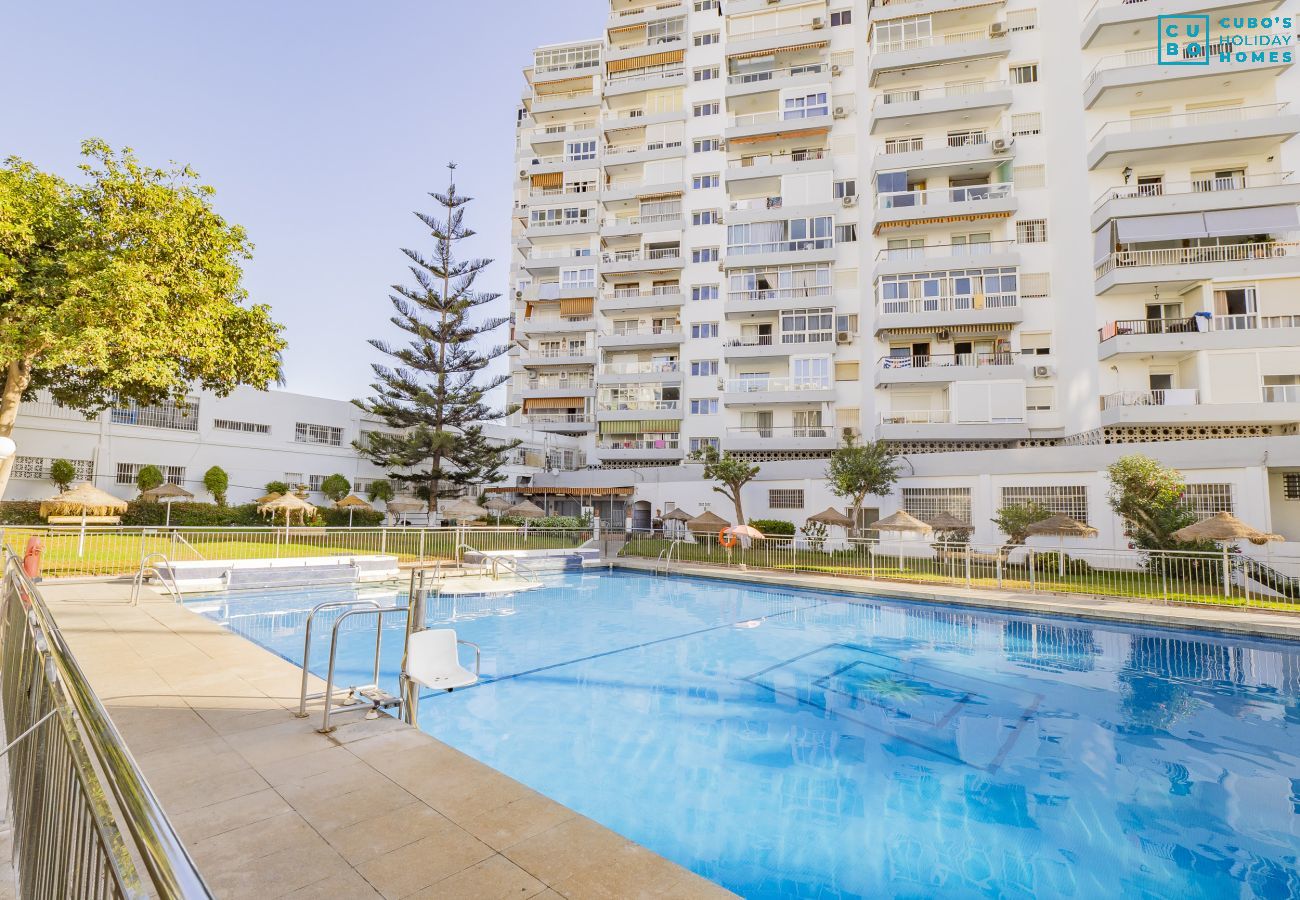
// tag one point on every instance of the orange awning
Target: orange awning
(563, 86)
(665, 195)
(577, 306)
(779, 135)
(666, 58)
(791, 49)
(549, 180)
(941, 220)
(564, 491)
(534, 403)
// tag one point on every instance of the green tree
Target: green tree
(148, 478)
(857, 471)
(731, 473)
(277, 487)
(123, 286)
(63, 473)
(1012, 520)
(217, 483)
(1148, 497)
(433, 395)
(380, 490)
(335, 487)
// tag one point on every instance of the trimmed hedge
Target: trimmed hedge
(21, 512)
(774, 527)
(194, 515)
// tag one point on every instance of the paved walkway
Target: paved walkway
(269, 808)
(1253, 622)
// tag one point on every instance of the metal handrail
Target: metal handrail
(146, 567)
(303, 696)
(379, 612)
(104, 780)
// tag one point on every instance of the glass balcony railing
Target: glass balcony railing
(1169, 397)
(973, 249)
(758, 385)
(966, 303)
(757, 77)
(1220, 116)
(1197, 322)
(912, 95)
(965, 194)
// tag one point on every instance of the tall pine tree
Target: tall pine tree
(433, 393)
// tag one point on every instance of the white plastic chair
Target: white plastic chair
(432, 660)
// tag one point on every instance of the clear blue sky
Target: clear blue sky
(322, 125)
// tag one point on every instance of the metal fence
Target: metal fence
(1222, 578)
(110, 550)
(85, 823)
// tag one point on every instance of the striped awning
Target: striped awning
(535, 403)
(966, 329)
(642, 426)
(531, 491)
(941, 220)
(791, 49)
(779, 135)
(619, 29)
(563, 86)
(549, 180)
(577, 306)
(664, 195)
(666, 58)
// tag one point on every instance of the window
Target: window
(807, 326)
(233, 425)
(704, 292)
(708, 407)
(902, 34)
(329, 435)
(779, 498)
(1064, 499)
(705, 145)
(704, 330)
(704, 254)
(1022, 19)
(703, 39)
(1026, 124)
(1036, 284)
(575, 151)
(128, 472)
(1036, 343)
(1026, 73)
(847, 371)
(781, 236)
(806, 107)
(1031, 231)
(1291, 485)
(183, 416)
(586, 56)
(841, 17)
(571, 279)
(314, 482)
(706, 109)
(705, 217)
(700, 182)
(1040, 398)
(846, 188)
(1025, 177)
(704, 367)
(1206, 500)
(293, 479)
(702, 5)
(846, 234)
(699, 443)
(926, 503)
(708, 73)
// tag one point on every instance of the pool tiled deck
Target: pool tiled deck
(1253, 622)
(270, 808)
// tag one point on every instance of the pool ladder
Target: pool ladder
(492, 564)
(148, 568)
(666, 557)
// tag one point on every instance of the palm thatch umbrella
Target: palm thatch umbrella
(526, 509)
(352, 503)
(832, 516)
(84, 500)
(463, 510)
(707, 522)
(397, 507)
(946, 521)
(267, 498)
(902, 521)
(497, 506)
(1222, 528)
(288, 504)
(675, 521)
(167, 493)
(1062, 526)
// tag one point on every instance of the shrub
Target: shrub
(193, 515)
(148, 478)
(277, 487)
(21, 512)
(361, 518)
(335, 486)
(774, 527)
(63, 473)
(217, 483)
(1014, 519)
(380, 490)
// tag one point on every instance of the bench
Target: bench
(89, 520)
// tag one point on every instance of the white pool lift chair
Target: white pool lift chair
(434, 662)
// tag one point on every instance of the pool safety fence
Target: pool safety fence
(1227, 577)
(85, 824)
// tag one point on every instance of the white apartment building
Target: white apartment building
(956, 226)
(256, 436)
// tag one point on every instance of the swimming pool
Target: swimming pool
(789, 743)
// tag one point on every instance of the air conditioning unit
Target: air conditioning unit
(837, 70)
(843, 337)
(523, 173)
(519, 295)
(722, 267)
(1042, 371)
(1002, 144)
(818, 23)
(998, 29)
(944, 334)
(850, 200)
(840, 113)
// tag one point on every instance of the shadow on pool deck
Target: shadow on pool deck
(270, 808)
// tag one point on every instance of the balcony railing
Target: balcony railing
(565, 95)
(669, 443)
(941, 251)
(931, 40)
(806, 338)
(948, 304)
(655, 74)
(559, 352)
(642, 255)
(980, 138)
(663, 290)
(1170, 397)
(781, 431)
(543, 224)
(574, 382)
(640, 368)
(890, 98)
(540, 322)
(967, 194)
(944, 360)
(651, 7)
(1101, 4)
(1188, 256)
(1219, 116)
(649, 42)
(640, 406)
(781, 246)
(586, 188)
(558, 418)
(916, 417)
(791, 293)
(781, 72)
(1281, 393)
(649, 330)
(1197, 322)
(560, 254)
(642, 148)
(1198, 186)
(760, 385)
(562, 128)
(658, 219)
(765, 159)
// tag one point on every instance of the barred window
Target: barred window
(1206, 500)
(785, 499)
(128, 472)
(183, 416)
(314, 482)
(1066, 499)
(1291, 485)
(926, 503)
(234, 425)
(306, 433)
(1026, 124)
(1022, 19)
(1031, 231)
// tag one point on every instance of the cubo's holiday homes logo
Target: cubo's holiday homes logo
(1200, 40)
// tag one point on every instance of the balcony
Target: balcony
(999, 312)
(799, 251)
(640, 373)
(632, 410)
(645, 80)
(619, 262)
(641, 153)
(642, 13)
(777, 38)
(774, 165)
(942, 204)
(562, 101)
(774, 347)
(1109, 22)
(972, 152)
(903, 260)
(551, 388)
(1179, 267)
(542, 228)
(556, 325)
(768, 391)
(880, 10)
(558, 356)
(1234, 131)
(550, 260)
(774, 124)
(563, 423)
(647, 337)
(1201, 195)
(1194, 333)
(781, 437)
(777, 78)
(941, 424)
(1136, 77)
(938, 54)
(560, 132)
(616, 226)
(640, 450)
(742, 304)
(942, 107)
(631, 299)
(1277, 405)
(938, 368)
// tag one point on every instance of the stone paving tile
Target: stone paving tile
(226, 815)
(386, 832)
(496, 878)
(348, 886)
(427, 861)
(518, 820)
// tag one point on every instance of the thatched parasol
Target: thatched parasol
(526, 509)
(83, 500)
(1063, 527)
(267, 498)
(706, 522)
(463, 509)
(167, 493)
(946, 521)
(832, 516)
(1224, 526)
(497, 504)
(288, 504)
(352, 503)
(902, 521)
(676, 515)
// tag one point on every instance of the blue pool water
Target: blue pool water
(793, 744)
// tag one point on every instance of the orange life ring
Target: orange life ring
(727, 539)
